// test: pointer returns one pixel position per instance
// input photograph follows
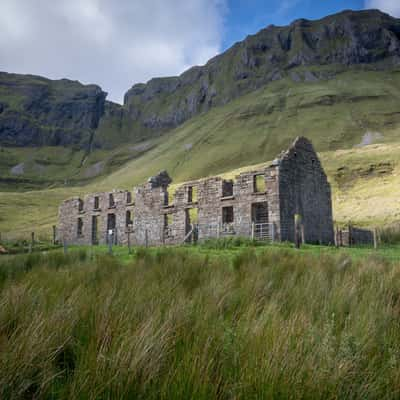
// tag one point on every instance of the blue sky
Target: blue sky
(116, 44)
(243, 17)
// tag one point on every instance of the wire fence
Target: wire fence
(26, 242)
(263, 232)
(257, 231)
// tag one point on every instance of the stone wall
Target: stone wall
(255, 201)
(354, 237)
(304, 190)
(67, 222)
(95, 206)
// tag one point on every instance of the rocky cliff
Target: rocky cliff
(305, 51)
(36, 111)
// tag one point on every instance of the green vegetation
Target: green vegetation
(335, 114)
(183, 324)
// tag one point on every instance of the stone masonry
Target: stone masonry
(260, 204)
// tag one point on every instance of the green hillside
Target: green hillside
(332, 79)
(338, 115)
(334, 114)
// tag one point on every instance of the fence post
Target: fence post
(146, 238)
(129, 242)
(252, 230)
(110, 241)
(350, 235)
(375, 238)
(65, 247)
(297, 230)
(54, 234)
(338, 237)
(33, 239)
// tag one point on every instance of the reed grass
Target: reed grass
(176, 324)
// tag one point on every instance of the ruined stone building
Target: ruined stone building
(260, 204)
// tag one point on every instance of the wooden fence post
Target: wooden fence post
(110, 241)
(350, 235)
(33, 238)
(54, 234)
(129, 242)
(297, 230)
(146, 238)
(375, 238)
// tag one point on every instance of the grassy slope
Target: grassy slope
(335, 114)
(254, 128)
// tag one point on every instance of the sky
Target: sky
(117, 43)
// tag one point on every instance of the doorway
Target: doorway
(259, 213)
(95, 235)
(111, 221)
(111, 224)
(191, 221)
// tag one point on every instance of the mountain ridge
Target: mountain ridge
(305, 50)
(268, 56)
(255, 109)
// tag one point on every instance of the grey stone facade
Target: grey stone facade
(260, 204)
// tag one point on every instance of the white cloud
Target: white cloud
(110, 43)
(391, 7)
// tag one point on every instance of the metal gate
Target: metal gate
(264, 232)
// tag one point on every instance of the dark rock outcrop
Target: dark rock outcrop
(370, 39)
(40, 111)
(36, 111)
(162, 179)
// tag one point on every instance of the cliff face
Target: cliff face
(305, 51)
(36, 111)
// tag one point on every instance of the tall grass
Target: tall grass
(176, 324)
(390, 234)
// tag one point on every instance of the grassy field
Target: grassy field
(200, 323)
